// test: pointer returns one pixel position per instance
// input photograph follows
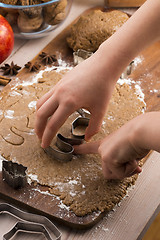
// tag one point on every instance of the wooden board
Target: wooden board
(147, 72)
(32, 199)
(30, 195)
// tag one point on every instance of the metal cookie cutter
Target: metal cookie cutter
(78, 127)
(65, 149)
(127, 71)
(14, 174)
(27, 227)
(80, 56)
(31, 223)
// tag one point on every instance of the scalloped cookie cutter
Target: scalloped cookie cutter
(14, 174)
(65, 149)
(28, 222)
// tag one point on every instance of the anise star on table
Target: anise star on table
(10, 69)
(33, 67)
(47, 58)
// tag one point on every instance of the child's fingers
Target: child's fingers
(94, 125)
(87, 148)
(44, 98)
(42, 115)
(112, 171)
(130, 168)
(54, 123)
(136, 171)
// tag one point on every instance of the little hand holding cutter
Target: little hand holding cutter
(65, 145)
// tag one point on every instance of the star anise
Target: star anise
(10, 69)
(33, 67)
(47, 58)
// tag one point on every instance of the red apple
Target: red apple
(6, 39)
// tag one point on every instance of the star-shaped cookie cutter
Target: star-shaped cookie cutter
(65, 149)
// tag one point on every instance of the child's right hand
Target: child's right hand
(89, 86)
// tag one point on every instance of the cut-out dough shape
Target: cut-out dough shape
(13, 137)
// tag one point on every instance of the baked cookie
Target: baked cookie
(55, 13)
(94, 28)
(11, 2)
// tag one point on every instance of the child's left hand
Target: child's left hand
(120, 152)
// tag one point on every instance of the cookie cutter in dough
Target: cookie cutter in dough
(80, 55)
(14, 174)
(64, 150)
(81, 122)
(27, 222)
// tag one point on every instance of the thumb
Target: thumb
(87, 148)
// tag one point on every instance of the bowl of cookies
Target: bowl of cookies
(34, 18)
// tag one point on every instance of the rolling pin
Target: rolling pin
(124, 3)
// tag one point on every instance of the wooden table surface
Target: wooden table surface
(132, 218)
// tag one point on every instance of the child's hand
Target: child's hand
(90, 84)
(83, 87)
(120, 151)
(120, 158)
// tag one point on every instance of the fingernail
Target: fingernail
(87, 138)
(42, 145)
